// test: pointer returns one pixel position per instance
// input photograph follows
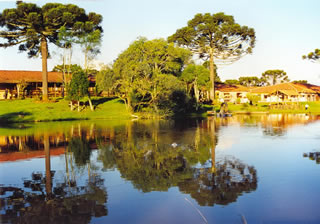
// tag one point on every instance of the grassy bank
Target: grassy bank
(30, 110)
(314, 108)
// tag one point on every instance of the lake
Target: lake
(241, 169)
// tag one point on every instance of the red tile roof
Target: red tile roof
(7, 76)
(293, 88)
(222, 87)
(310, 86)
(14, 156)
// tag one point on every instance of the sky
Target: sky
(285, 30)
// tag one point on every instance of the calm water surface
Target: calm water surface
(260, 169)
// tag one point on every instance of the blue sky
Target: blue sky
(285, 30)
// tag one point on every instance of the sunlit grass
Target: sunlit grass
(30, 110)
(314, 107)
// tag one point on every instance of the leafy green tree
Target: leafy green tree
(253, 99)
(196, 77)
(105, 79)
(78, 88)
(61, 68)
(232, 82)
(249, 81)
(273, 77)
(32, 27)
(66, 71)
(217, 38)
(313, 56)
(146, 70)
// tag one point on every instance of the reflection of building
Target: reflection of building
(14, 156)
(14, 148)
(273, 124)
(283, 120)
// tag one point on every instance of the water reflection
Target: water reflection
(313, 156)
(151, 163)
(230, 179)
(151, 155)
(272, 124)
(63, 204)
(45, 199)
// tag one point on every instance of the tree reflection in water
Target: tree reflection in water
(230, 179)
(47, 200)
(151, 163)
(65, 205)
(313, 156)
(152, 155)
(81, 150)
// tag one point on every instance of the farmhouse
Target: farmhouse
(28, 83)
(14, 84)
(287, 92)
(284, 92)
(232, 93)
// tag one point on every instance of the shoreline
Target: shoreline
(30, 111)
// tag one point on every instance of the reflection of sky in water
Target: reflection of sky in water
(288, 187)
(287, 191)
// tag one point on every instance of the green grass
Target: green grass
(30, 110)
(314, 108)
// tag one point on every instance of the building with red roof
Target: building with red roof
(232, 93)
(29, 83)
(287, 92)
(284, 92)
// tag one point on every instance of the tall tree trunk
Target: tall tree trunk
(44, 54)
(196, 93)
(66, 159)
(129, 108)
(86, 60)
(90, 103)
(212, 75)
(18, 91)
(46, 144)
(197, 137)
(69, 69)
(20, 144)
(213, 146)
(64, 72)
(89, 173)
